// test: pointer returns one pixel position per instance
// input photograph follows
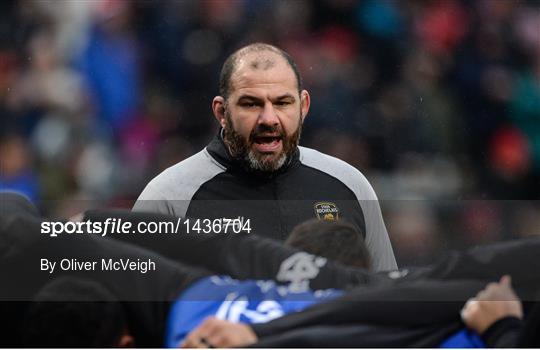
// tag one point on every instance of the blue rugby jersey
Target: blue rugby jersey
(251, 301)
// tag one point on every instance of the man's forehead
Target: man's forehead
(260, 60)
(262, 68)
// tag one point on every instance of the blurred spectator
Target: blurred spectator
(16, 173)
(414, 231)
(110, 64)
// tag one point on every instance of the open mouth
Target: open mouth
(267, 143)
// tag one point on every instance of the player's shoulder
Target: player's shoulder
(339, 169)
(180, 180)
(199, 164)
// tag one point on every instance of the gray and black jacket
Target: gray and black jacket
(212, 185)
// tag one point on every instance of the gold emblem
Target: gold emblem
(326, 211)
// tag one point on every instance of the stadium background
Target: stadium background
(436, 102)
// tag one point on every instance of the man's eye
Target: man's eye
(283, 103)
(249, 104)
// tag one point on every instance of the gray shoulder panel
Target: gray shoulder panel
(377, 240)
(171, 191)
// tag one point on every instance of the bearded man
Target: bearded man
(253, 177)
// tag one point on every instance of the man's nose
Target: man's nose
(268, 115)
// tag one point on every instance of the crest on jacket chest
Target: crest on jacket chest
(326, 211)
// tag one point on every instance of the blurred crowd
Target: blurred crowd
(437, 102)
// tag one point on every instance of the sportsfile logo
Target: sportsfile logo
(110, 225)
(120, 226)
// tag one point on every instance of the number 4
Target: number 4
(246, 227)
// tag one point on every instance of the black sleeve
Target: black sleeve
(409, 304)
(437, 296)
(530, 337)
(491, 261)
(504, 333)
(241, 256)
(356, 336)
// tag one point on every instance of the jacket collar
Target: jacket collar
(219, 151)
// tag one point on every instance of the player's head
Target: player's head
(335, 240)
(16, 204)
(261, 106)
(72, 312)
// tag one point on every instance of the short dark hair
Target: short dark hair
(73, 312)
(229, 66)
(336, 240)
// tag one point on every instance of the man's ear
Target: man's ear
(305, 102)
(218, 107)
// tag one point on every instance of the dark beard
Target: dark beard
(240, 148)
